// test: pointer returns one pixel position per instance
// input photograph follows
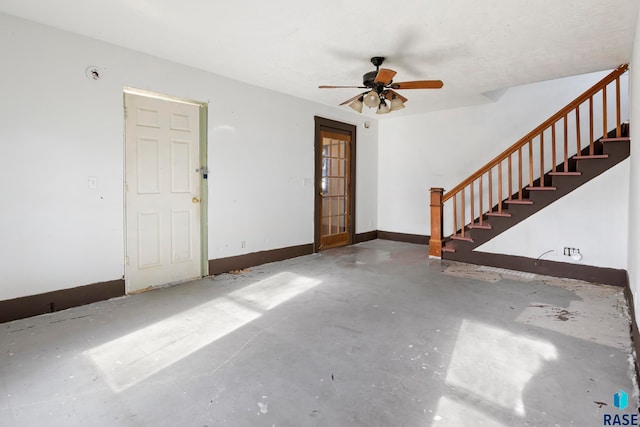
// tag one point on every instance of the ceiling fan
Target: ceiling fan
(381, 88)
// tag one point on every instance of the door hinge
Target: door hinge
(126, 259)
(125, 113)
(126, 187)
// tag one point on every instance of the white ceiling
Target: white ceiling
(292, 46)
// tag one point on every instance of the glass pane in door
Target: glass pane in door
(334, 190)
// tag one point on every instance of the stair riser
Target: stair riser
(545, 198)
(617, 149)
(592, 168)
(561, 182)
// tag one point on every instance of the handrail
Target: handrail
(535, 132)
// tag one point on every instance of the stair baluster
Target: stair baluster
(519, 173)
(541, 158)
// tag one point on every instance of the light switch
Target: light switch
(92, 182)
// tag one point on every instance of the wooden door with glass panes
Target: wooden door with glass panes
(334, 191)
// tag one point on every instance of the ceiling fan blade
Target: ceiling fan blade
(389, 94)
(385, 76)
(341, 87)
(353, 99)
(418, 84)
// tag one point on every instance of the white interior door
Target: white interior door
(162, 190)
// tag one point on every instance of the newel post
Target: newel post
(435, 241)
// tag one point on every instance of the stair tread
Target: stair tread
(594, 156)
(447, 248)
(519, 202)
(483, 226)
(616, 139)
(466, 238)
(546, 188)
(565, 173)
(505, 214)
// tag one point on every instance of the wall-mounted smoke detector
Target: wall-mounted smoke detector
(94, 73)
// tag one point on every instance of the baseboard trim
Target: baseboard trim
(607, 276)
(33, 305)
(366, 236)
(404, 237)
(238, 262)
(635, 335)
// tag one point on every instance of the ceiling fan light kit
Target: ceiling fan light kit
(380, 88)
(357, 104)
(372, 99)
(383, 108)
(397, 104)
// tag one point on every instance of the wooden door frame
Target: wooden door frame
(322, 124)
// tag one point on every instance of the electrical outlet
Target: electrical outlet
(244, 244)
(571, 251)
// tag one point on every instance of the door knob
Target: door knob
(195, 200)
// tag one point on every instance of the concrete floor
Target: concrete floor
(374, 334)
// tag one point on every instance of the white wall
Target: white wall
(633, 266)
(593, 218)
(442, 148)
(59, 128)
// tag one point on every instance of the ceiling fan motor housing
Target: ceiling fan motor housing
(368, 79)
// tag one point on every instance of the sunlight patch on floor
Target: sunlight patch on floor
(495, 364)
(134, 357)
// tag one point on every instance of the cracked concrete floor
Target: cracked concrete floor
(374, 334)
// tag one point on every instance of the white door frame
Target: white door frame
(204, 187)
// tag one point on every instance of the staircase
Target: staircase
(516, 183)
